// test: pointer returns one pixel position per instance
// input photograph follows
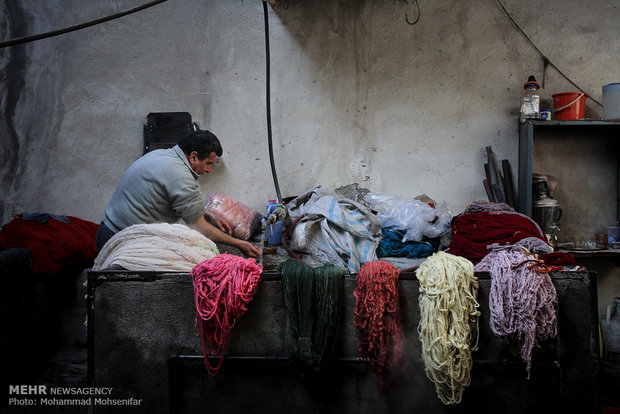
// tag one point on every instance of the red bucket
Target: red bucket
(569, 106)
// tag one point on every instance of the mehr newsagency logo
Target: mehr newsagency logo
(43, 395)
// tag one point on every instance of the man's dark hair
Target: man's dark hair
(203, 142)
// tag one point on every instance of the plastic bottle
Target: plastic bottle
(530, 100)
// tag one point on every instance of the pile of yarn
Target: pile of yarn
(162, 247)
(378, 318)
(448, 327)
(473, 232)
(313, 303)
(523, 300)
(223, 287)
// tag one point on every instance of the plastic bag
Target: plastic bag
(380, 202)
(243, 220)
(413, 217)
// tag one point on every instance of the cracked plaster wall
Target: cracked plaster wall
(358, 95)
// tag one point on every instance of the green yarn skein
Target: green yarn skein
(313, 304)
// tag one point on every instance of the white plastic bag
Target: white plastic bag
(414, 218)
(380, 202)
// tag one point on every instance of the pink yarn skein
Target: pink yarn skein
(523, 300)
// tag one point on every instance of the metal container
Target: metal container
(547, 213)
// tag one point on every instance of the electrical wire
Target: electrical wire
(417, 6)
(26, 39)
(268, 99)
(546, 61)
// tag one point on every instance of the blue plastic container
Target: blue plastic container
(274, 232)
(611, 101)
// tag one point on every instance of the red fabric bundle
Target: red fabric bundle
(473, 232)
(53, 244)
(559, 259)
(378, 318)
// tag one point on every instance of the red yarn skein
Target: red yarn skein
(378, 317)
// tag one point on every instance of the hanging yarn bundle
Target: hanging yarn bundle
(313, 305)
(223, 287)
(378, 318)
(523, 300)
(448, 327)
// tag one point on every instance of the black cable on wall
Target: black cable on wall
(546, 61)
(268, 93)
(40, 36)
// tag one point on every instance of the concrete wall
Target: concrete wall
(358, 95)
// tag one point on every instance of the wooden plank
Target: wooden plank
(496, 175)
(487, 183)
(511, 198)
(489, 191)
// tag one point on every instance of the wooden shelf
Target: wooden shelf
(612, 253)
(585, 158)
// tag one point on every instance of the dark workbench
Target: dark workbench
(142, 343)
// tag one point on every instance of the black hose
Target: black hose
(40, 36)
(268, 83)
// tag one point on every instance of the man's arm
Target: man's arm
(218, 236)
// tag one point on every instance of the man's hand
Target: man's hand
(249, 249)
(218, 236)
(223, 226)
